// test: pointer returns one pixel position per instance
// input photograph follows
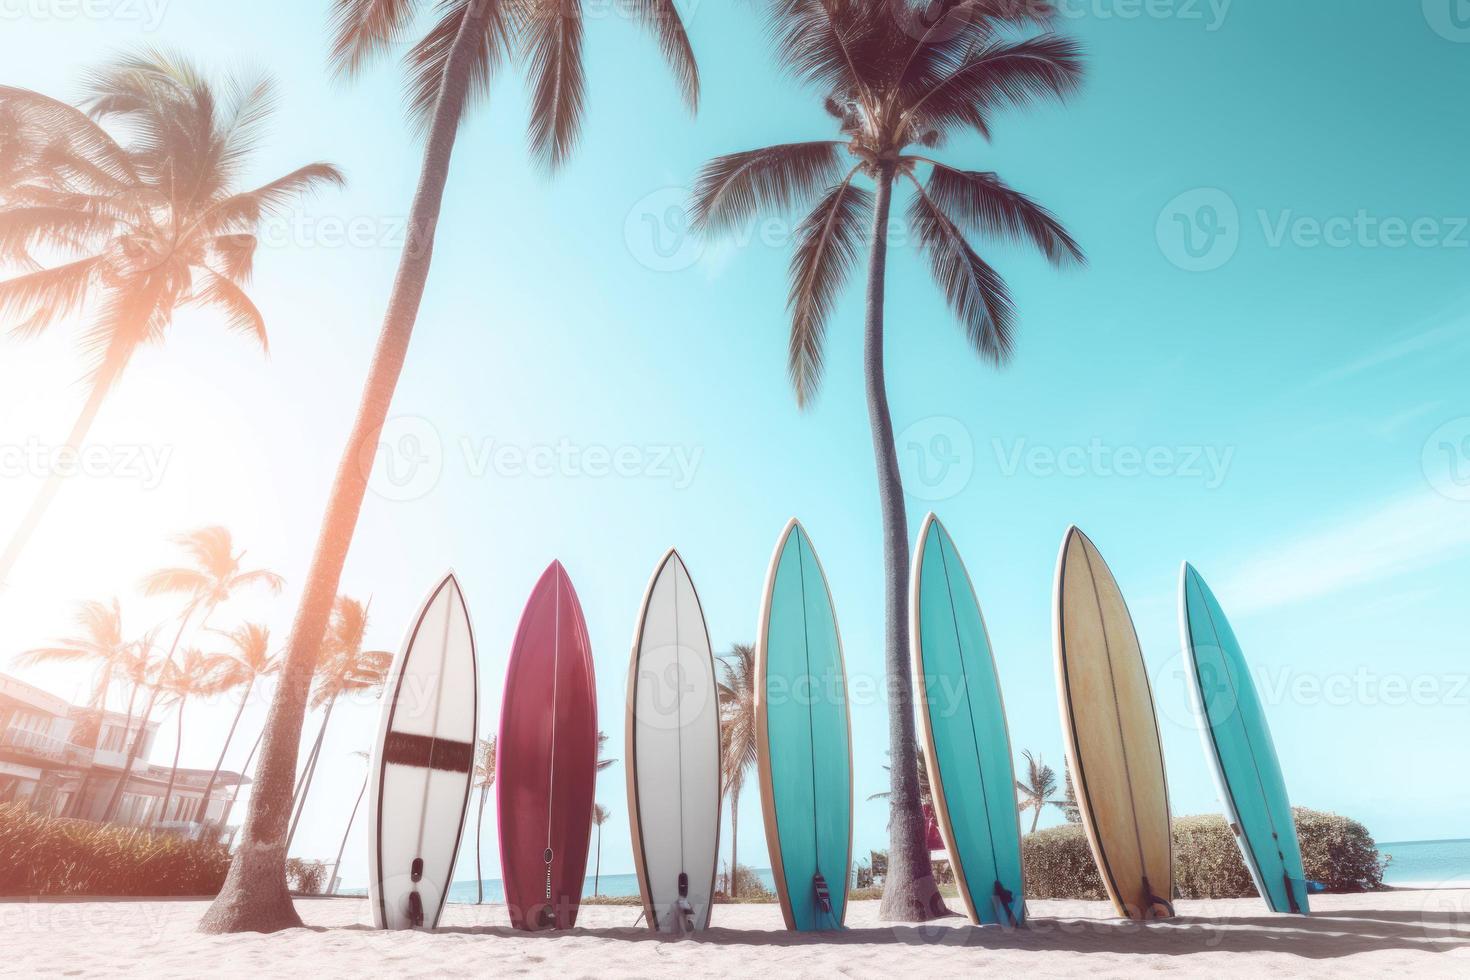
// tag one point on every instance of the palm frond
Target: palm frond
(551, 35)
(827, 246)
(241, 314)
(1005, 74)
(975, 291)
(981, 201)
(363, 29)
(175, 581)
(39, 299)
(662, 18)
(426, 61)
(734, 188)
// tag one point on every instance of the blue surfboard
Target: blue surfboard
(1238, 743)
(803, 738)
(963, 720)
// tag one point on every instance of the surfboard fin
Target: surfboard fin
(1291, 894)
(1004, 900)
(821, 893)
(1154, 901)
(415, 901)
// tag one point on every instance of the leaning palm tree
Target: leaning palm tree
(600, 815)
(1037, 788)
(240, 670)
(196, 674)
(900, 78)
(213, 575)
(484, 780)
(137, 227)
(351, 819)
(348, 669)
(449, 69)
(737, 735)
(99, 642)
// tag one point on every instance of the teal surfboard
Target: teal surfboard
(1238, 742)
(803, 738)
(967, 743)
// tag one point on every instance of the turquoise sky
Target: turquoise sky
(1261, 371)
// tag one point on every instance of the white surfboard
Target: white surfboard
(422, 765)
(673, 753)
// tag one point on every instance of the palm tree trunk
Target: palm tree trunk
(229, 737)
(1035, 817)
(734, 839)
(332, 881)
(254, 897)
(225, 818)
(21, 536)
(597, 867)
(137, 741)
(909, 894)
(308, 773)
(480, 822)
(174, 771)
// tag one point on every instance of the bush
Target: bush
(305, 877)
(1059, 864)
(1336, 851)
(50, 856)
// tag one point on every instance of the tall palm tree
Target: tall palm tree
(213, 576)
(1037, 788)
(737, 736)
(449, 68)
(484, 780)
(246, 664)
(348, 669)
(899, 77)
(100, 643)
(196, 674)
(600, 815)
(352, 818)
(139, 227)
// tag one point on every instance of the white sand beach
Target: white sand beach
(1398, 933)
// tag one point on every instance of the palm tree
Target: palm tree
(600, 815)
(484, 779)
(737, 735)
(603, 764)
(214, 575)
(1037, 789)
(140, 229)
(449, 69)
(248, 663)
(899, 77)
(348, 669)
(196, 674)
(99, 642)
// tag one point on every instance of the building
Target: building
(66, 760)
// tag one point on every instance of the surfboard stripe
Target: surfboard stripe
(421, 751)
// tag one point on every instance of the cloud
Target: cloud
(1404, 534)
(1394, 351)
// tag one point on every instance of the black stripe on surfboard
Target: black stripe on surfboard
(426, 752)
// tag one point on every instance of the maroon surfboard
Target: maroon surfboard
(546, 758)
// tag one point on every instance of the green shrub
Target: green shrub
(305, 877)
(748, 887)
(1336, 851)
(1059, 864)
(50, 856)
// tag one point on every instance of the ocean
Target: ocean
(1442, 863)
(613, 886)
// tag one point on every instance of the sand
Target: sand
(1399, 933)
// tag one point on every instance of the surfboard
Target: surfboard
(673, 753)
(422, 762)
(967, 743)
(803, 738)
(1112, 735)
(1238, 743)
(546, 758)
